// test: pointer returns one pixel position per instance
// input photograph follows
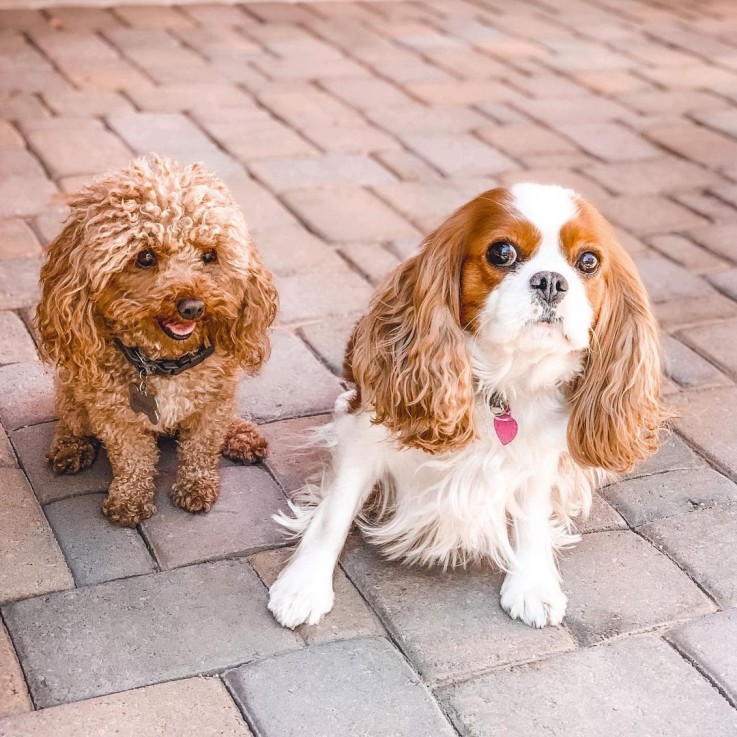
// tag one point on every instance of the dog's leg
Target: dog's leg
(303, 593)
(243, 442)
(133, 454)
(531, 590)
(197, 486)
(71, 449)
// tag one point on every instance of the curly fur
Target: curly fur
(93, 292)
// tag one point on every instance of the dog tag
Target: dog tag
(506, 427)
(143, 402)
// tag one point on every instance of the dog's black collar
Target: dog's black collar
(164, 366)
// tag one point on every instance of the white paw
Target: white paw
(534, 598)
(295, 598)
(343, 402)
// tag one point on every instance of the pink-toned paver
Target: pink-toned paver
(348, 130)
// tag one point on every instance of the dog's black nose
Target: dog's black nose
(190, 309)
(550, 285)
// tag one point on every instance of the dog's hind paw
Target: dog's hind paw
(71, 455)
(243, 442)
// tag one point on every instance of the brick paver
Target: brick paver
(347, 131)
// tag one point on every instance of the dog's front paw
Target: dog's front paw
(128, 510)
(534, 598)
(71, 455)
(296, 599)
(244, 443)
(197, 495)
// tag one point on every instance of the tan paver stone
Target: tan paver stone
(195, 707)
(24, 197)
(17, 240)
(696, 143)
(15, 342)
(721, 239)
(285, 173)
(648, 214)
(30, 560)
(667, 281)
(685, 252)
(609, 141)
(86, 102)
(14, 698)
(19, 285)
(9, 136)
(168, 98)
(26, 395)
(322, 293)
(651, 177)
(524, 139)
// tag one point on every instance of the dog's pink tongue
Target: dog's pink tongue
(180, 327)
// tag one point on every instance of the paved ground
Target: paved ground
(347, 131)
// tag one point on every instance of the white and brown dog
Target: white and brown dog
(499, 375)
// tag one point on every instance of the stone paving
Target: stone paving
(346, 131)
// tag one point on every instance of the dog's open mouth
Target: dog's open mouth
(177, 329)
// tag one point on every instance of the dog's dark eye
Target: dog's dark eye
(588, 263)
(146, 259)
(501, 253)
(210, 257)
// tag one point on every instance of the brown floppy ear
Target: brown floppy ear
(248, 336)
(65, 316)
(616, 407)
(408, 355)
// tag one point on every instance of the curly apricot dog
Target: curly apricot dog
(154, 299)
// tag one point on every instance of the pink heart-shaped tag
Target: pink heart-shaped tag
(506, 428)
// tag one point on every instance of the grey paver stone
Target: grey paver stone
(26, 395)
(195, 707)
(32, 443)
(618, 584)
(14, 698)
(30, 560)
(704, 543)
(95, 549)
(708, 420)
(649, 498)
(7, 456)
(710, 643)
(238, 524)
(296, 451)
(293, 383)
(350, 616)
(602, 517)
(725, 282)
(329, 339)
(636, 686)
(347, 213)
(341, 688)
(674, 454)
(717, 341)
(138, 631)
(449, 623)
(688, 368)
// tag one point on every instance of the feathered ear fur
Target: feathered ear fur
(65, 316)
(247, 337)
(616, 408)
(408, 355)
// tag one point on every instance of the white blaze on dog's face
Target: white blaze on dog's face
(541, 301)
